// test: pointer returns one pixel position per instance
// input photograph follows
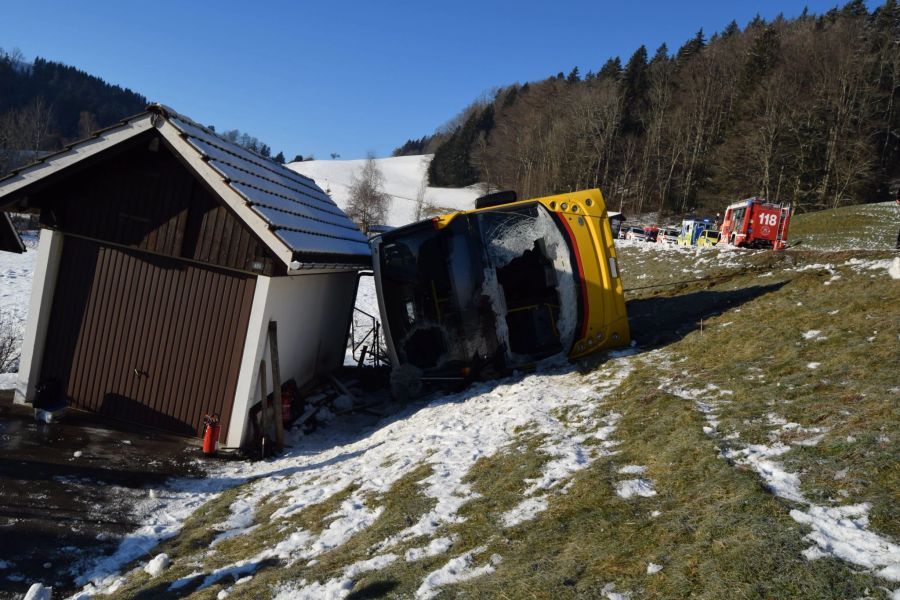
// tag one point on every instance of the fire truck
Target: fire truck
(755, 223)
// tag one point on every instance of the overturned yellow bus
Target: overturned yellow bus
(474, 294)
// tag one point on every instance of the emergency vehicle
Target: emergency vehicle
(755, 223)
(692, 228)
(474, 294)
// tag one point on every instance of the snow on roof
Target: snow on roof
(287, 210)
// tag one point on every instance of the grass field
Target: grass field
(748, 450)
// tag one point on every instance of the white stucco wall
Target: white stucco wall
(49, 252)
(313, 313)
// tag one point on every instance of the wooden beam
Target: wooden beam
(263, 418)
(276, 384)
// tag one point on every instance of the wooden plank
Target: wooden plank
(276, 384)
(263, 418)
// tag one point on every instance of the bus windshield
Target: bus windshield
(491, 288)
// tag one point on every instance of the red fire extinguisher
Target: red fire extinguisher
(211, 434)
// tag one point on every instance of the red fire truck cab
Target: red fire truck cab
(755, 223)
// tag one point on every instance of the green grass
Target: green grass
(719, 533)
(867, 226)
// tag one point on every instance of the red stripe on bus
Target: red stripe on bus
(584, 295)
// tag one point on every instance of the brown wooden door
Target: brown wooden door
(145, 338)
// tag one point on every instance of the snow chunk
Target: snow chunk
(38, 591)
(456, 570)
(156, 566)
(635, 487)
(435, 547)
(632, 469)
(894, 269)
(525, 511)
(841, 531)
(813, 365)
(653, 568)
(808, 335)
(779, 481)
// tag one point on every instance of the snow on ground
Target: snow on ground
(840, 531)
(16, 273)
(449, 433)
(404, 177)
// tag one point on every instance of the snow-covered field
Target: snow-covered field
(404, 179)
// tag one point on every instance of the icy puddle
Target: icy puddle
(449, 434)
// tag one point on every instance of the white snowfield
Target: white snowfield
(404, 178)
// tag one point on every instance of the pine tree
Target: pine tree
(279, 158)
(573, 76)
(634, 90)
(612, 69)
(730, 30)
(661, 55)
(855, 8)
(691, 48)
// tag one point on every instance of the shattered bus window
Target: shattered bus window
(529, 280)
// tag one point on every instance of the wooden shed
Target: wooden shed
(164, 254)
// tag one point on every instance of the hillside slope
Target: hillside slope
(403, 176)
(745, 447)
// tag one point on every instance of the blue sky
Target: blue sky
(350, 77)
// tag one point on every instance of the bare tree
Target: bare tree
(420, 200)
(368, 204)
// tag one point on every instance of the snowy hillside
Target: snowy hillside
(403, 178)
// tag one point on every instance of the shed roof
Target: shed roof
(292, 215)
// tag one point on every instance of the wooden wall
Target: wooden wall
(148, 200)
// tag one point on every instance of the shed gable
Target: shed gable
(145, 198)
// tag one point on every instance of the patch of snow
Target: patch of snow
(635, 487)
(842, 532)
(336, 588)
(156, 566)
(239, 522)
(894, 270)
(38, 591)
(434, 548)
(632, 469)
(526, 510)
(808, 335)
(456, 570)
(813, 365)
(404, 176)
(653, 568)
